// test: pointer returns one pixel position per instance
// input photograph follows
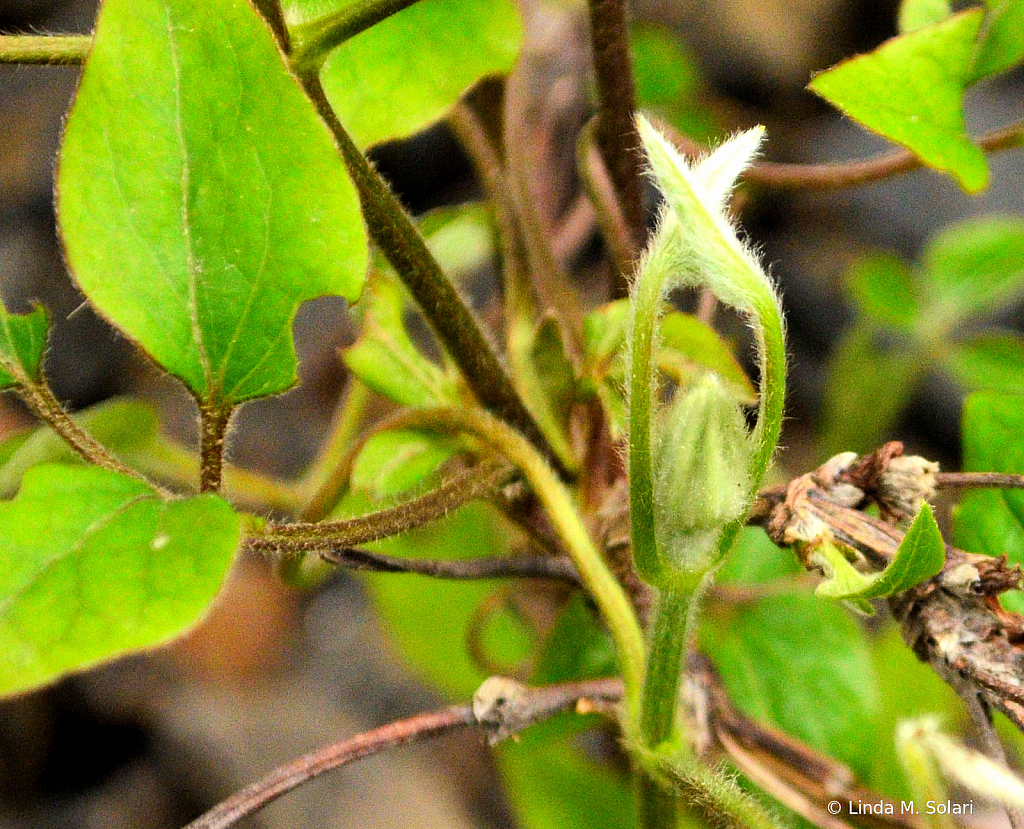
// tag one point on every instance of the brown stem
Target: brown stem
(468, 486)
(834, 175)
(466, 569)
(403, 246)
(501, 707)
(616, 134)
(292, 775)
(956, 480)
(39, 398)
(213, 426)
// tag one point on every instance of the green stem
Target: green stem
(44, 50)
(403, 246)
(553, 495)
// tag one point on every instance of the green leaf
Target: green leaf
(689, 345)
(988, 362)
(428, 620)
(384, 356)
(866, 388)
(403, 74)
(552, 783)
(96, 566)
(910, 90)
(22, 342)
(201, 199)
(1002, 44)
(461, 238)
(668, 82)
(916, 14)
(125, 427)
(912, 688)
(394, 461)
(604, 332)
(793, 660)
(578, 647)
(987, 520)
(974, 267)
(919, 556)
(884, 290)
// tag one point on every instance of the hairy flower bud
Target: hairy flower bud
(702, 471)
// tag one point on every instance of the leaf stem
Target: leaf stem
(993, 480)
(607, 592)
(44, 50)
(616, 133)
(393, 231)
(213, 427)
(40, 399)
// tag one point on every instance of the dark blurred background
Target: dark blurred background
(150, 742)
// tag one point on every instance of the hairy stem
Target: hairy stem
(616, 133)
(46, 407)
(213, 427)
(609, 595)
(45, 50)
(480, 482)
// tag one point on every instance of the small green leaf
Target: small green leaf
(866, 388)
(96, 566)
(125, 427)
(1002, 43)
(884, 290)
(384, 356)
(394, 461)
(793, 659)
(22, 342)
(988, 362)
(919, 556)
(974, 267)
(916, 14)
(689, 346)
(668, 82)
(992, 521)
(404, 73)
(910, 90)
(201, 199)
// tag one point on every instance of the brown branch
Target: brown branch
(834, 175)
(292, 775)
(501, 707)
(616, 133)
(481, 481)
(958, 480)
(458, 569)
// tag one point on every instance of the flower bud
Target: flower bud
(701, 472)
